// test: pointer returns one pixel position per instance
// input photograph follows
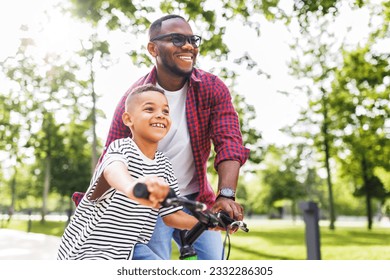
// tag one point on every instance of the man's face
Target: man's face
(176, 60)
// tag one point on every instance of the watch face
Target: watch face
(227, 192)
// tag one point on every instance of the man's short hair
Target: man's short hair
(140, 89)
(155, 27)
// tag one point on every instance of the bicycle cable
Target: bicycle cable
(226, 241)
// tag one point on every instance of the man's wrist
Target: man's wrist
(227, 192)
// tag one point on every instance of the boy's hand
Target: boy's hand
(158, 190)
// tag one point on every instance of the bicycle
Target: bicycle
(206, 219)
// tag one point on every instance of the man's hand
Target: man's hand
(234, 209)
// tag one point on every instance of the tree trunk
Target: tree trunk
(46, 187)
(325, 133)
(13, 195)
(294, 210)
(330, 191)
(367, 191)
(369, 210)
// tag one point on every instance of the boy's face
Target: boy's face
(148, 117)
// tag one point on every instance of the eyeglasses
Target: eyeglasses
(180, 40)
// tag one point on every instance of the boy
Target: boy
(109, 220)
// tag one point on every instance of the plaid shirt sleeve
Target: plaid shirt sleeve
(77, 197)
(225, 128)
(211, 116)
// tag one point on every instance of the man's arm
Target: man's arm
(228, 172)
(230, 151)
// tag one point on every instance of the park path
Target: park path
(19, 245)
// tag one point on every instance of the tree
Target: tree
(71, 172)
(360, 103)
(94, 51)
(315, 64)
(319, 65)
(16, 110)
(47, 143)
(45, 93)
(284, 174)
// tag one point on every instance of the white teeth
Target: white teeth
(185, 58)
(158, 125)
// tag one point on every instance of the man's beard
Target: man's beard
(176, 70)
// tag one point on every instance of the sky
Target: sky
(274, 110)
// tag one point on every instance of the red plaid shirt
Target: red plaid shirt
(210, 115)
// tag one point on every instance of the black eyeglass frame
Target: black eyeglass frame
(188, 38)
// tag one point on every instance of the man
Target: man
(202, 112)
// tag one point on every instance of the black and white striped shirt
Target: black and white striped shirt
(110, 226)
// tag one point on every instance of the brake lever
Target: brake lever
(241, 225)
(225, 218)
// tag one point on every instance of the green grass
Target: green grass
(288, 243)
(276, 240)
(49, 227)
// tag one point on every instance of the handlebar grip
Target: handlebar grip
(224, 216)
(141, 191)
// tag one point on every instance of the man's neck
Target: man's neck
(170, 82)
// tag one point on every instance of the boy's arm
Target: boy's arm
(180, 220)
(117, 176)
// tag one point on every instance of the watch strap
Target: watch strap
(229, 197)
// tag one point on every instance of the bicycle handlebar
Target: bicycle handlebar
(198, 209)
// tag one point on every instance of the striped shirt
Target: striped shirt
(110, 226)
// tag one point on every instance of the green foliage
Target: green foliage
(251, 195)
(45, 122)
(72, 170)
(345, 202)
(286, 179)
(348, 102)
(305, 10)
(360, 100)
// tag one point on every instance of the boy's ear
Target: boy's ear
(127, 119)
(152, 49)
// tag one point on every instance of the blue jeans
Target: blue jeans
(208, 246)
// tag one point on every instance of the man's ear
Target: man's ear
(152, 49)
(127, 119)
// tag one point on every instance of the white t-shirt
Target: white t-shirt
(176, 145)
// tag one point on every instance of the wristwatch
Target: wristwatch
(227, 192)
